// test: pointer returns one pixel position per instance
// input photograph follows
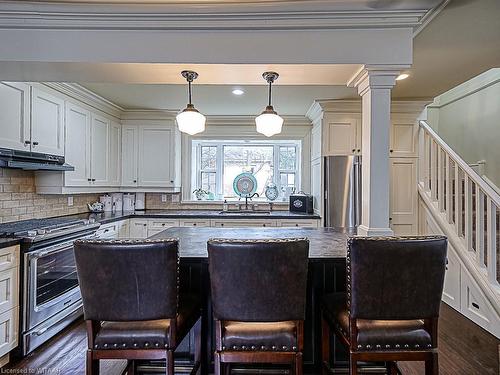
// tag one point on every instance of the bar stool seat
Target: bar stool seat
(376, 335)
(148, 334)
(259, 336)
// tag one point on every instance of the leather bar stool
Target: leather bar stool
(258, 299)
(131, 301)
(391, 308)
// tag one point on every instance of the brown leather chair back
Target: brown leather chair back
(128, 280)
(395, 278)
(258, 280)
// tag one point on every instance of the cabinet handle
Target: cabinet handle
(35, 143)
(144, 225)
(475, 305)
(353, 150)
(135, 181)
(221, 224)
(172, 181)
(391, 150)
(359, 150)
(390, 219)
(93, 179)
(263, 225)
(27, 143)
(163, 224)
(194, 224)
(89, 179)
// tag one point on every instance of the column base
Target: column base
(371, 232)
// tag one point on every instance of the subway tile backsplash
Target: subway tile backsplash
(18, 200)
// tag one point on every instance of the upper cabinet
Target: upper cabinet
(99, 160)
(341, 134)
(151, 155)
(15, 116)
(404, 135)
(77, 145)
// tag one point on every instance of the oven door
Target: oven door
(51, 283)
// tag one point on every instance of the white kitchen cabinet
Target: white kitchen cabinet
(130, 155)
(138, 228)
(150, 156)
(451, 289)
(99, 161)
(15, 116)
(403, 136)
(9, 299)
(47, 122)
(156, 158)
(316, 185)
(114, 167)
(403, 196)
(77, 145)
(341, 134)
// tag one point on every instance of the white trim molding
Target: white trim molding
(214, 15)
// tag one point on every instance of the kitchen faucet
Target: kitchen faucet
(249, 196)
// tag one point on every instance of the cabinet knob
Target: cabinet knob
(89, 179)
(353, 150)
(194, 224)
(144, 225)
(263, 225)
(172, 181)
(390, 219)
(359, 150)
(391, 150)
(35, 143)
(163, 224)
(135, 181)
(222, 224)
(27, 143)
(93, 179)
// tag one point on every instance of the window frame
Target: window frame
(196, 146)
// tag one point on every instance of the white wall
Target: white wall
(467, 117)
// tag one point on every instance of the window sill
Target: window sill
(219, 202)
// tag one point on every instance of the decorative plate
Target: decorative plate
(245, 184)
(271, 192)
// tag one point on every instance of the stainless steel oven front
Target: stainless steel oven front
(52, 298)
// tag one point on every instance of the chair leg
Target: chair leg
(169, 363)
(217, 364)
(197, 347)
(227, 368)
(392, 369)
(131, 368)
(353, 365)
(298, 364)
(325, 346)
(92, 365)
(432, 365)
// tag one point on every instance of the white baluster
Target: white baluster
(448, 187)
(468, 213)
(440, 177)
(458, 201)
(480, 227)
(433, 182)
(491, 238)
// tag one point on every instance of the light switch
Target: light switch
(70, 201)
(164, 197)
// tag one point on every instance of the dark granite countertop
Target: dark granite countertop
(6, 242)
(108, 217)
(325, 243)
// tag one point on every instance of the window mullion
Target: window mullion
(219, 169)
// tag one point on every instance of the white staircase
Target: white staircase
(457, 202)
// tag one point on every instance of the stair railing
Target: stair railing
(469, 204)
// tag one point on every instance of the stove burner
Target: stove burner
(35, 228)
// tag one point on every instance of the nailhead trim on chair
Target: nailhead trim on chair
(256, 240)
(135, 345)
(254, 348)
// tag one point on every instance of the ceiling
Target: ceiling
(218, 99)
(461, 42)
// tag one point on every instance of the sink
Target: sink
(244, 212)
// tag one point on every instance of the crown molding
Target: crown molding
(431, 14)
(284, 15)
(148, 114)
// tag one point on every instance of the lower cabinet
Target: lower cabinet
(9, 300)
(137, 228)
(403, 196)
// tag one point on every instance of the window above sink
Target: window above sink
(216, 163)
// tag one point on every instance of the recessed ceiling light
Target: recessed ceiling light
(402, 76)
(238, 92)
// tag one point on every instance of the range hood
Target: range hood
(32, 161)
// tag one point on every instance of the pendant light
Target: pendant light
(269, 122)
(190, 121)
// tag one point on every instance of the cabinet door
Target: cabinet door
(404, 132)
(403, 196)
(138, 229)
(340, 135)
(9, 323)
(99, 160)
(156, 156)
(316, 186)
(77, 145)
(14, 116)
(130, 154)
(47, 123)
(114, 154)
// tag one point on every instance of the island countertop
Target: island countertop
(325, 243)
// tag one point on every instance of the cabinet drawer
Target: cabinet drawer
(109, 230)
(243, 223)
(9, 289)
(451, 289)
(302, 223)
(194, 223)
(138, 229)
(9, 257)
(158, 224)
(9, 324)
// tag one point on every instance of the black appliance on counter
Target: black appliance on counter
(32, 161)
(301, 202)
(49, 291)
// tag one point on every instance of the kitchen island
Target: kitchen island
(326, 274)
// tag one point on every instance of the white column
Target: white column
(374, 87)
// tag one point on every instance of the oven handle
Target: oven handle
(56, 249)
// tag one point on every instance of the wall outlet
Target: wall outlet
(176, 198)
(70, 201)
(164, 197)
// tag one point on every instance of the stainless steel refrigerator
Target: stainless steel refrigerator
(342, 196)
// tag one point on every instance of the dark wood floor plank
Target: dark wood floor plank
(464, 348)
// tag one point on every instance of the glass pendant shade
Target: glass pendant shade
(191, 121)
(269, 122)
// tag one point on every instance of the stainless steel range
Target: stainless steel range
(50, 294)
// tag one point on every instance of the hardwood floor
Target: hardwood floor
(464, 349)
